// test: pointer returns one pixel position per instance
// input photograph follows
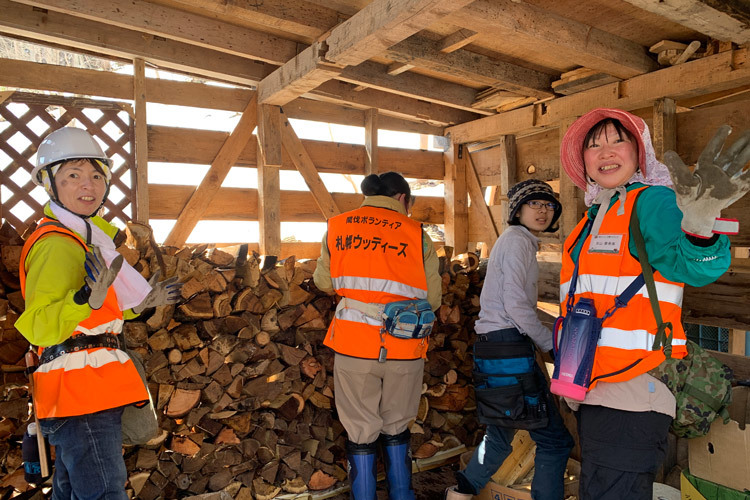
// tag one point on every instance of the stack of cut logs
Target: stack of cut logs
(240, 378)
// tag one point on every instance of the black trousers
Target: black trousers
(621, 452)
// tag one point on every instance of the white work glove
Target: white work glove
(162, 292)
(717, 181)
(98, 279)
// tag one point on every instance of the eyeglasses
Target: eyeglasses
(538, 205)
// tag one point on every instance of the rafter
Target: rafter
(727, 21)
(571, 40)
(176, 25)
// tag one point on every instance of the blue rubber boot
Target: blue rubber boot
(362, 470)
(397, 458)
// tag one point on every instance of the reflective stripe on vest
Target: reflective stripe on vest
(376, 257)
(89, 380)
(624, 347)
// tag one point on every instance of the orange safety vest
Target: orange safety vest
(90, 380)
(376, 257)
(624, 348)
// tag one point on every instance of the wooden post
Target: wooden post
(507, 176)
(571, 196)
(665, 127)
(479, 206)
(371, 141)
(456, 205)
(141, 142)
(737, 338)
(269, 188)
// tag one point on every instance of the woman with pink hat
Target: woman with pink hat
(624, 418)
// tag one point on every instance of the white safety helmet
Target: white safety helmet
(68, 143)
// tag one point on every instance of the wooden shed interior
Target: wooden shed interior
(488, 86)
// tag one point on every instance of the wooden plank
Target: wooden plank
(371, 142)
(571, 196)
(456, 205)
(423, 52)
(720, 20)
(456, 40)
(478, 203)
(383, 23)
(141, 141)
(664, 127)
(737, 340)
(309, 173)
(740, 365)
(269, 209)
(269, 134)
(176, 24)
(167, 144)
(37, 76)
(398, 68)
(209, 186)
(721, 71)
(78, 33)
(517, 461)
(239, 204)
(569, 40)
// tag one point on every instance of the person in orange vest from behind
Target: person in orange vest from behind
(385, 268)
(625, 415)
(78, 292)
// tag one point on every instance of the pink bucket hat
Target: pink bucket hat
(571, 149)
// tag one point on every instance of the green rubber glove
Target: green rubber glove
(99, 277)
(162, 292)
(717, 181)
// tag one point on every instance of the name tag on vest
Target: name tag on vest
(606, 243)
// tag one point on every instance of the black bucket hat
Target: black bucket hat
(532, 189)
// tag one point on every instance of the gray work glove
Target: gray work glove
(98, 279)
(162, 292)
(717, 181)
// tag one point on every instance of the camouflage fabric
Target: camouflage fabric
(702, 387)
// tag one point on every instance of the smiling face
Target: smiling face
(610, 157)
(536, 220)
(80, 186)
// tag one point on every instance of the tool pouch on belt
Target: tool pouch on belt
(510, 388)
(408, 319)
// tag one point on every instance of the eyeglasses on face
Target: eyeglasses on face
(538, 205)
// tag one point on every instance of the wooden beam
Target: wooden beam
(176, 24)
(309, 173)
(722, 71)
(737, 339)
(568, 40)
(727, 21)
(141, 141)
(414, 85)
(457, 40)
(78, 33)
(383, 23)
(665, 127)
(398, 68)
(478, 203)
(37, 76)
(241, 204)
(300, 75)
(456, 206)
(423, 52)
(269, 134)
(371, 142)
(508, 158)
(269, 209)
(209, 186)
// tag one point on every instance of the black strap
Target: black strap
(79, 343)
(661, 338)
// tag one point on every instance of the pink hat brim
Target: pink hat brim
(571, 148)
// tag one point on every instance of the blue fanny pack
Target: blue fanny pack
(408, 319)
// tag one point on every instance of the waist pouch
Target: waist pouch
(408, 319)
(510, 388)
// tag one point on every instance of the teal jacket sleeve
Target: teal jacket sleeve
(669, 250)
(54, 274)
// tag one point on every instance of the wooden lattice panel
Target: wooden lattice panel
(28, 118)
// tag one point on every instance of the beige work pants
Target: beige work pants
(374, 398)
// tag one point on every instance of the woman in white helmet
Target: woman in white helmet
(78, 292)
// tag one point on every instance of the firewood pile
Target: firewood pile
(241, 381)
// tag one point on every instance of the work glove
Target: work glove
(162, 292)
(716, 182)
(98, 278)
